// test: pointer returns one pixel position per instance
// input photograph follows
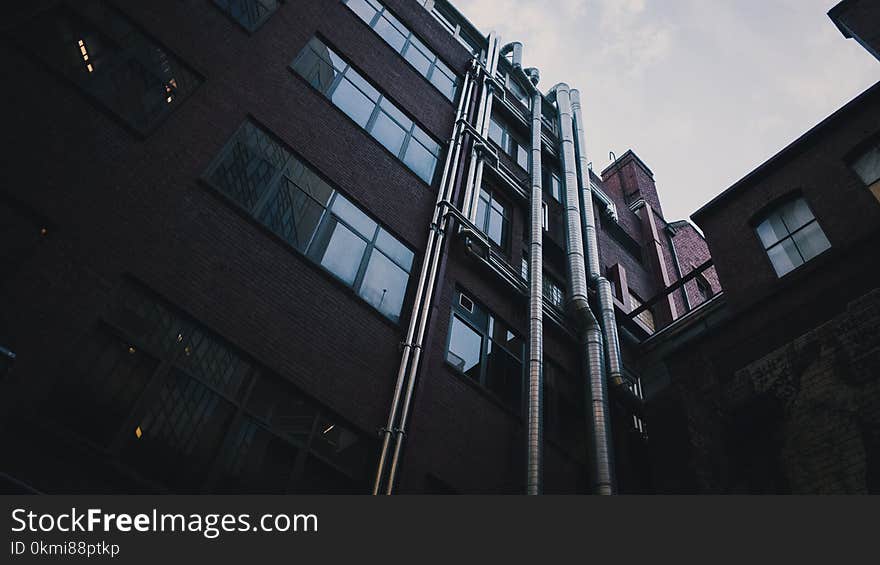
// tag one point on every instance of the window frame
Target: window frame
(324, 222)
(412, 134)
(506, 221)
(256, 25)
(465, 317)
(773, 209)
(433, 66)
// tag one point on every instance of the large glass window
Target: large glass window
(487, 350)
(359, 100)
(499, 134)
(493, 218)
(251, 14)
(288, 197)
(791, 235)
(402, 40)
(99, 49)
(175, 403)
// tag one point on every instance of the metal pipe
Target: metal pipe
(484, 111)
(579, 303)
(535, 432)
(432, 248)
(515, 49)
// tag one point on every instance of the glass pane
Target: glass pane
(811, 241)
(394, 249)
(212, 361)
(396, 114)
(417, 58)
(868, 166)
(283, 407)
(343, 254)
(340, 444)
(504, 376)
(388, 133)
(522, 157)
(292, 215)
(444, 84)
(482, 221)
(256, 461)
(464, 349)
(796, 214)
(362, 84)
(496, 132)
(353, 102)
(432, 146)
(497, 227)
(315, 65)
(180, 427)
(309, 182)
(784, 257)
(387, 31)
(420, 160)
(384, 285)
(351, 215)
(771, 230)
(363, 9)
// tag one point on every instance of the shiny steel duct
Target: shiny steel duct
(515, 50)
(412, 345)
(484, 113)
(534, 424)
(602, 285)
(589, 328)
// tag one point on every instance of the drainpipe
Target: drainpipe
(412, 346)
(602, 285)
(484, 113)
(535, 431)
(515, 49)
(588, 326)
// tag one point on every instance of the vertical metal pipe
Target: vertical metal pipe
(431, 249)
(534, 439)
(589, 326)
(484, 111)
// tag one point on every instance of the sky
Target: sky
(703, 91)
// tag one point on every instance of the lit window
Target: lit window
(251, 14)
(791, 236)
(370, 109)
(487, 350)
(288, 197)
(493, 219)
(111, 60)
(402, 40)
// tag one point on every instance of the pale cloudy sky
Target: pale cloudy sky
(702, 90)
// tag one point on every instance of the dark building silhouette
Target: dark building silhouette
(260, 246)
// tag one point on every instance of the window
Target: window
(402, 40)
(493, 218)
(284, 194)
(554, 291)
(703, 287)
(791, 236)
(646, 317)
(351, 93)
(7, 357)
(545, 216)
(179, 405)
(499, 134)
(251, 14)
(517, 90)
(564, 399)
(112, 61)
(553, 184)
(487, 350)
(867, 166)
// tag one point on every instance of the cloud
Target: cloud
(702, 91)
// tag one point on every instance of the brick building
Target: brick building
(260, 246)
